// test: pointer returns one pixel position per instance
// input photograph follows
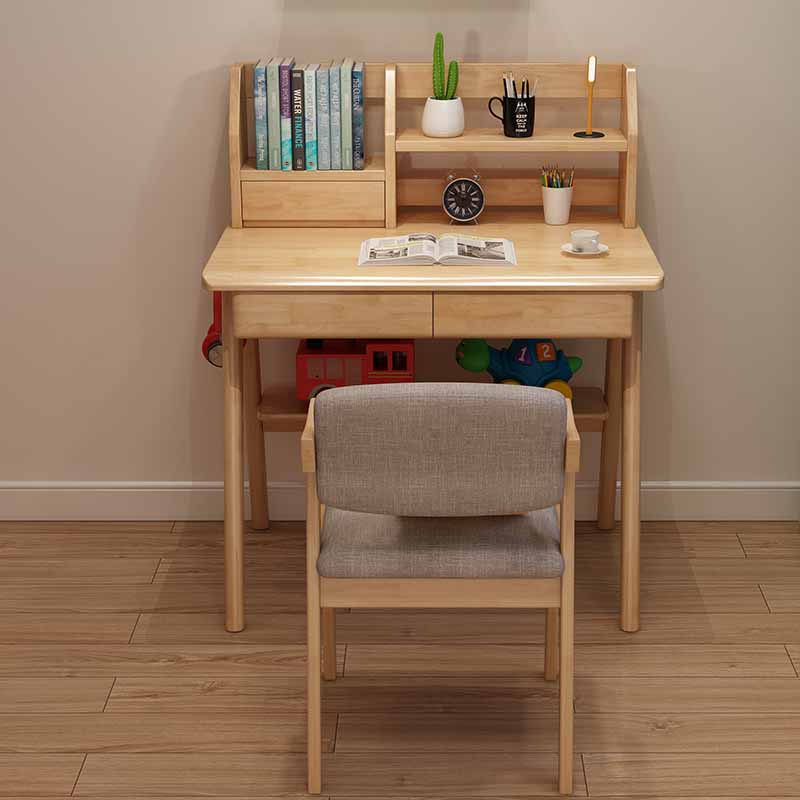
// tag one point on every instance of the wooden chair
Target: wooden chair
(440, 496)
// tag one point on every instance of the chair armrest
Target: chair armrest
(307, 449)
(572, 450)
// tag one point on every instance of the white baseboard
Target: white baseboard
(186, 500)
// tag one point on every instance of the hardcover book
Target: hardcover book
(298, 119)
(285, 81)
(346, 95)
(260, 107)
(274, 113)
(336, 115)
(323, 117)
(310, 101)
(358, 115)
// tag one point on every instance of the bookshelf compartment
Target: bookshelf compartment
(491, 140)
(292, 203)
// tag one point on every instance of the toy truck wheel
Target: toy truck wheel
(213, 352)
(511, 382)
(560, 386)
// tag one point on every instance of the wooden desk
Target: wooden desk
(304, 283)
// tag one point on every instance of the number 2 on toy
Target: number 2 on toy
(545, 351)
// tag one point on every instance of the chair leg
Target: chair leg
(254, 434)
(329, 644)
(610, 442)
(551, 644)
(314, 738)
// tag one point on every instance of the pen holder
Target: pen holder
(518, 114)
(556, 204)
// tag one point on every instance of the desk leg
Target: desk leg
(609, 448)
(256, 449)
(234, 469)
(631, 446)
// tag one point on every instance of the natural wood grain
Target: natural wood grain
(481, 80)
(140, 659)
(755, 775)
(794, 653)
(232, 387)
(313, 618)
(628, 161)
(681, 732)
(630, 561)
(492, 140)
(237, 136)
(572, 315)
(771, 545)
(702, 570)
(390, 143)
(328, 203)
(142, 775)
(597, 660)
(427, 773)
(611, 440)
(566, 633)
(257, 259)
(281, 411)
(66, 627)
(78, 570)
(55, 695)
(143, 732)
(440, 592)
(208, 628)
(514, 626)
(268, 775)
(342, 314)
(34, 774)
(172, 595)
(254, 436)
(520, 188)
(688, 695)
(782, 598)
(666, 545)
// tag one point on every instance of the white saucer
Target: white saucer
(601, 249)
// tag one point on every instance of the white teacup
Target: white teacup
(585, 240)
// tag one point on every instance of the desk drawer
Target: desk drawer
(602, 316)
(332, 315)
(324, 203)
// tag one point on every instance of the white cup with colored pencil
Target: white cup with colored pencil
(557, 194)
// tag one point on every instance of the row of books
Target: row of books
(309, 116)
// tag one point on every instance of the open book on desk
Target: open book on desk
(426, 248)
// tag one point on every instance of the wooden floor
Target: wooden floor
(117, 679)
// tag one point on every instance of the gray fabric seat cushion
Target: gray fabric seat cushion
(360, 545)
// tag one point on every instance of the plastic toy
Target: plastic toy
(212, 344)
(530, 362)
(324, 364)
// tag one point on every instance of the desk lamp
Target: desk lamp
(591, 74)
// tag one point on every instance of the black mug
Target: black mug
(518, 114)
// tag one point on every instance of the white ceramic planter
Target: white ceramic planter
(443, 119)
(556, 203)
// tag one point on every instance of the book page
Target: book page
(465, 249)
(414, 247)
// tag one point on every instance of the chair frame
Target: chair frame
(325, 595)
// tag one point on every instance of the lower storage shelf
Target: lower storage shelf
(281, 412)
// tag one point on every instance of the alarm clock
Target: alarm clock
(463, 199)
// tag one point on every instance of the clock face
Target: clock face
(463, 199)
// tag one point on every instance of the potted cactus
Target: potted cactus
(443, 116)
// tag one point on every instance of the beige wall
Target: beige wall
(114, 192)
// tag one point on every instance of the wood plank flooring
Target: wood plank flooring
(117, 679)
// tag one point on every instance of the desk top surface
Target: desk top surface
(325, 259)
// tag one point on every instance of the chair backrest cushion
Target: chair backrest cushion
(440, 449)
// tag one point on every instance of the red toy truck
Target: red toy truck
(327, 363)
